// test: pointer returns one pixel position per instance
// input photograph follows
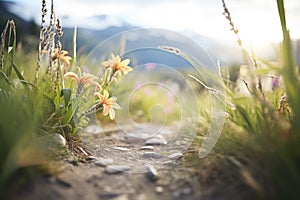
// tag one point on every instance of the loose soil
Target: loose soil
(178, 177)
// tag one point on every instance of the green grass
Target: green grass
(269, 120)
(23, 112)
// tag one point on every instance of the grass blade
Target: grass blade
(289, 71)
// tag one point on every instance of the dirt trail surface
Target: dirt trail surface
(140, 165)
(89, 182)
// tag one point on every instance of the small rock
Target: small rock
(103, 162)
(151, 155)
(155, 141)
(121, 149)
(147, 147)
(122, 197)
(92, 158)
(114, 169)
(152, 174)
(107, 188)
(175, 156)
(138, 135)
(54, 140)
(59, 140)
(159, 189)
(186, 191)
(109, 195)
(141, 197)
(176, 193)
(134, 139)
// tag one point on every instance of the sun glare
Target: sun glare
(260, 33)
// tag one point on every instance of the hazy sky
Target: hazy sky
(257, 20)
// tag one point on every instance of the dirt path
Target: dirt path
(140, 165)
(89, 182)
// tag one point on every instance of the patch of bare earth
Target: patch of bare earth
(125, 167)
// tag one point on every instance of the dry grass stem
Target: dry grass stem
(2, 48)
(42, 39)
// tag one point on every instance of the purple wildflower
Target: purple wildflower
(275, 82)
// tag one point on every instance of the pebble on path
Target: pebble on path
(155, 141)
(151, 155)
(103, 162)
(115, 169)
(159, 189)
(121, 149)
(175, 156)
(148, 147)
(152, 174)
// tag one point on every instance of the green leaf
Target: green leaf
(18, 72)
(246, 118)
(66, 93)
(4, 76)
(68, 115)
(31, 84)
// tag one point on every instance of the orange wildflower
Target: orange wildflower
(109, 104)
(65, 59)
(83, 80)
(117, 65)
